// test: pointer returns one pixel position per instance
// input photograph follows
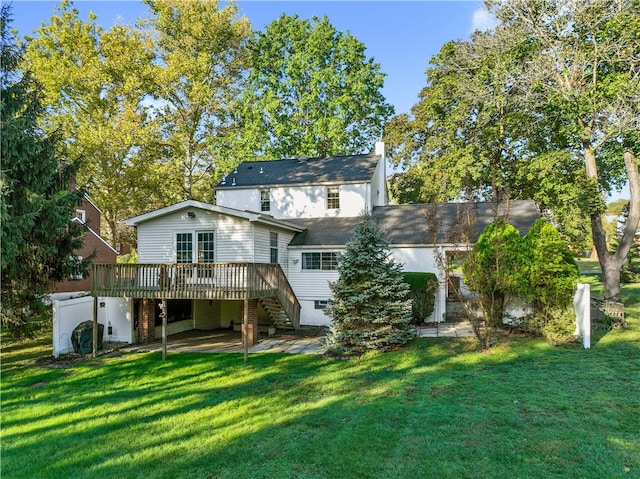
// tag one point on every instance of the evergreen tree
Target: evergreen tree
(38, 237)
(370, 308)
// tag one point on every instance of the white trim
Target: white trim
(77, 220)
(248, 215)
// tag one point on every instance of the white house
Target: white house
(272, 241)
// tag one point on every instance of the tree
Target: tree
(494, 269)
(96, 87)
(551, 270)
(37, 235)
(201, 50)
(311, 91)
(559, 85)
(585, 78)
(370, 308)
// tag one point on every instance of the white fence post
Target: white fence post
(582, 305)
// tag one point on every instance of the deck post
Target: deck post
(245, 330)
(95, 326)
(164, 329)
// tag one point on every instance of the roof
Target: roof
(417, 224)
(90, 230)
(192, 204)
(328, 170)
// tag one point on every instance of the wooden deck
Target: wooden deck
(209, 281)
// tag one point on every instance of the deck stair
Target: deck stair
(276, 313)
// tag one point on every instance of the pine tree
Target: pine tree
(370, 308)
(37, 235)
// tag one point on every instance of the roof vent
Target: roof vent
(235, 170)
(224, 180)
(233, 182)
(261, 170)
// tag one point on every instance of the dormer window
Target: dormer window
(333, 197)
(265, 200)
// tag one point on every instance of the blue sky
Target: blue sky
(400, 35)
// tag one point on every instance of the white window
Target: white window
(273, 240)
(327, 261)
(333, 197)
(206, 247)
(184, 248)
(81, 215)
(322, 304)
(76, 270)
(265, 200)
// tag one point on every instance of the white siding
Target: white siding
(263, 245)
(243, 199)
(422, 259)
(309, 286)
(233, 236)
(300, 201)
(312, 285)
(379, 185)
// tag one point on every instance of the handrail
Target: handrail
(196, 281)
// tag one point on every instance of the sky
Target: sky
(400, 35)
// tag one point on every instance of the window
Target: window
(321, 304)
(184, 248)
(333, 197)
(81, 215)
(76, 271)
(322, 261)
(206, 247)
(273, 240)
(265, 200)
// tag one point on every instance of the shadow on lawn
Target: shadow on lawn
(403, 414)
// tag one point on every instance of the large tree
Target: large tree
(96, 86)
(585, 78)
(311, 91)
(200, 48)
(38, 236)
(552, 97)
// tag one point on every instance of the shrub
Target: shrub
(551, 270)
(556, 325)
(493, 268)
(422, 290)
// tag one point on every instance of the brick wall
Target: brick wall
(146, 321)
(252, 336)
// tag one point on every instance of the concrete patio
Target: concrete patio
(307, 340)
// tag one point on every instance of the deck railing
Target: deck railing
(197, 281)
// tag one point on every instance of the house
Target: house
(88, 215)
(264, 255)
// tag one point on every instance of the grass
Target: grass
(438, 409)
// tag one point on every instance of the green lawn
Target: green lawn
(437, 409)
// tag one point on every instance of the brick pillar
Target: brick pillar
(146, 321)
(252, 335)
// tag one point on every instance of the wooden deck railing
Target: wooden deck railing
(197, 281)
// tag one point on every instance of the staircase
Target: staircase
(276, 313)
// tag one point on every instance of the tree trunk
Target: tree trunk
(611, 263)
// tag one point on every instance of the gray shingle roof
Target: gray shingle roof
(417, 224)
(335, 169)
